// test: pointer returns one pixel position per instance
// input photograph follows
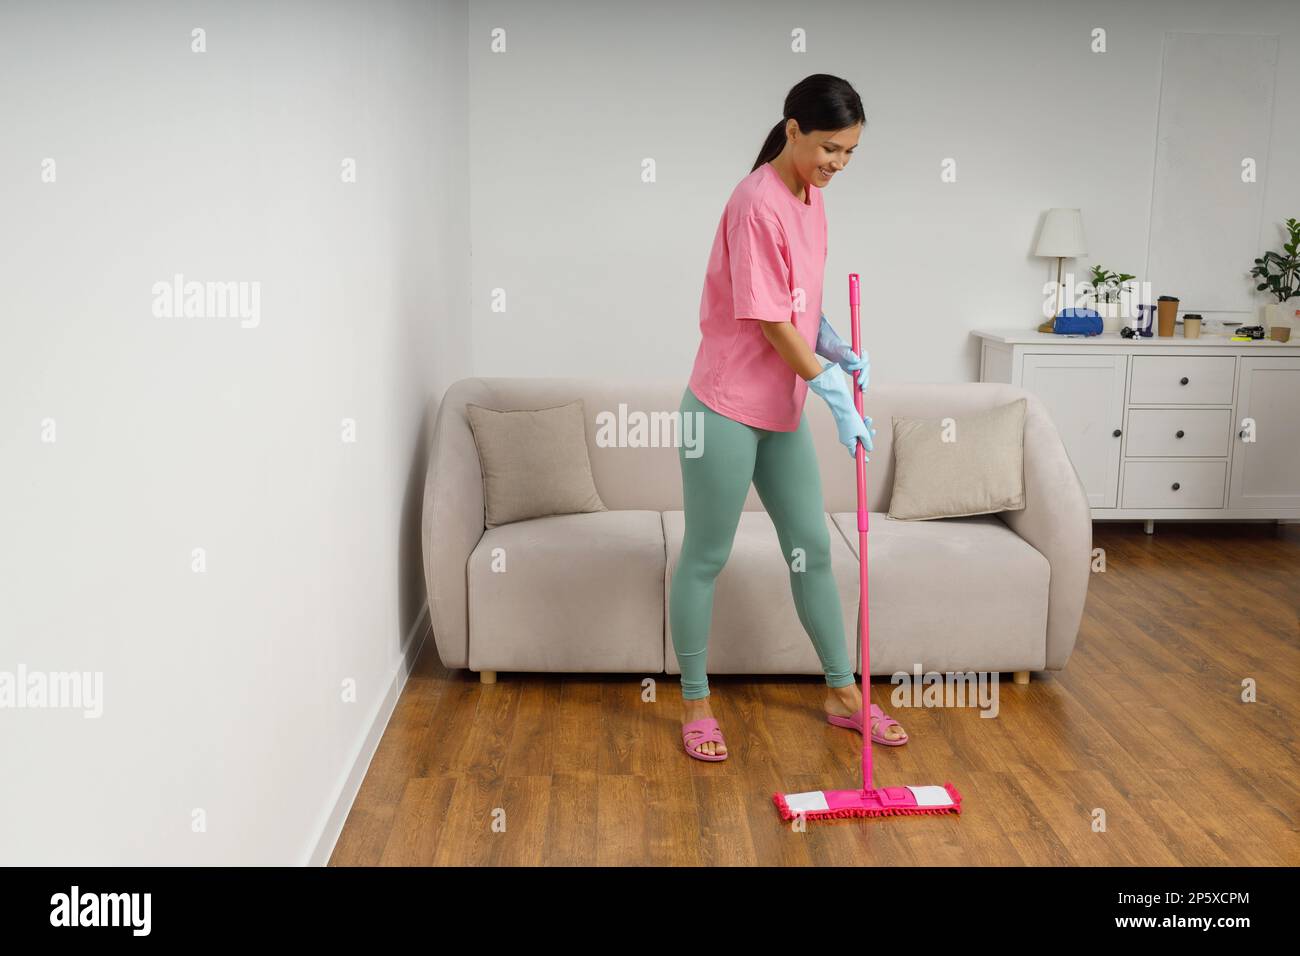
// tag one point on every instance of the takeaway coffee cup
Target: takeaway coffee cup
(1166, 315)
(1191, 326)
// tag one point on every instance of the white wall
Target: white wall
(221, 690)
(603, 272)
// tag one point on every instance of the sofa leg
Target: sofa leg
(1021, 677)
(487, 677)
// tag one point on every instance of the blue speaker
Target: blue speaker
(1077, 322)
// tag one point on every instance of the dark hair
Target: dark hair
(820, 101)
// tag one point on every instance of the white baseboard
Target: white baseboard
(347, 794)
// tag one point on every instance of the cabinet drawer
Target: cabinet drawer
(1174, 484)
(1189, 379)
(1178, 432)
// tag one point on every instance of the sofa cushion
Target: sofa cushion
(534, 462)
(756, 629)
(579, 592)
(976, 468)
(957, 594)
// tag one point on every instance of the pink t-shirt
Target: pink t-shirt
(768, 257)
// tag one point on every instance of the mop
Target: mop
(869, 801)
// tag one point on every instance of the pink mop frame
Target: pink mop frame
(867, 802)
(864, 617)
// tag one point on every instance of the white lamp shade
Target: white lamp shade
(1062, 235)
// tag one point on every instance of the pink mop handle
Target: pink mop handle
(864, 620)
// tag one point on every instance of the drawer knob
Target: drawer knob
(1183, 380)
(1179, 433)
(1176, 486)
(1116, 433)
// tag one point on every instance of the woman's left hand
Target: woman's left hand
(831, 346)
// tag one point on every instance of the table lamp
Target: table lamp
(1061, 238)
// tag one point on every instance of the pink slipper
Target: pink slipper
(879, 722)
(702, 731)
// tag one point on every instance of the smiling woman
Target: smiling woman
(762, 329)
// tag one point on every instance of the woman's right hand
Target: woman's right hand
(852, 427)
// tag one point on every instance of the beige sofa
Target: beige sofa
(589, 592)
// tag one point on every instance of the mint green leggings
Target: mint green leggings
(783, 468)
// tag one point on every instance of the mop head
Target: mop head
(883, 802)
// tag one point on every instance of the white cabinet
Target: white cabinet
(1266, 444)
(1085, 396)
(1166, 428)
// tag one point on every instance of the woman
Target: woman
(762, 328)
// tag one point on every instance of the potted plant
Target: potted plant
(1105, 294)
(1283, 283)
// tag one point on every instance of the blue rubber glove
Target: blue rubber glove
(831, 346)
(830, 385)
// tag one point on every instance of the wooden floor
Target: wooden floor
(1145, 723)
